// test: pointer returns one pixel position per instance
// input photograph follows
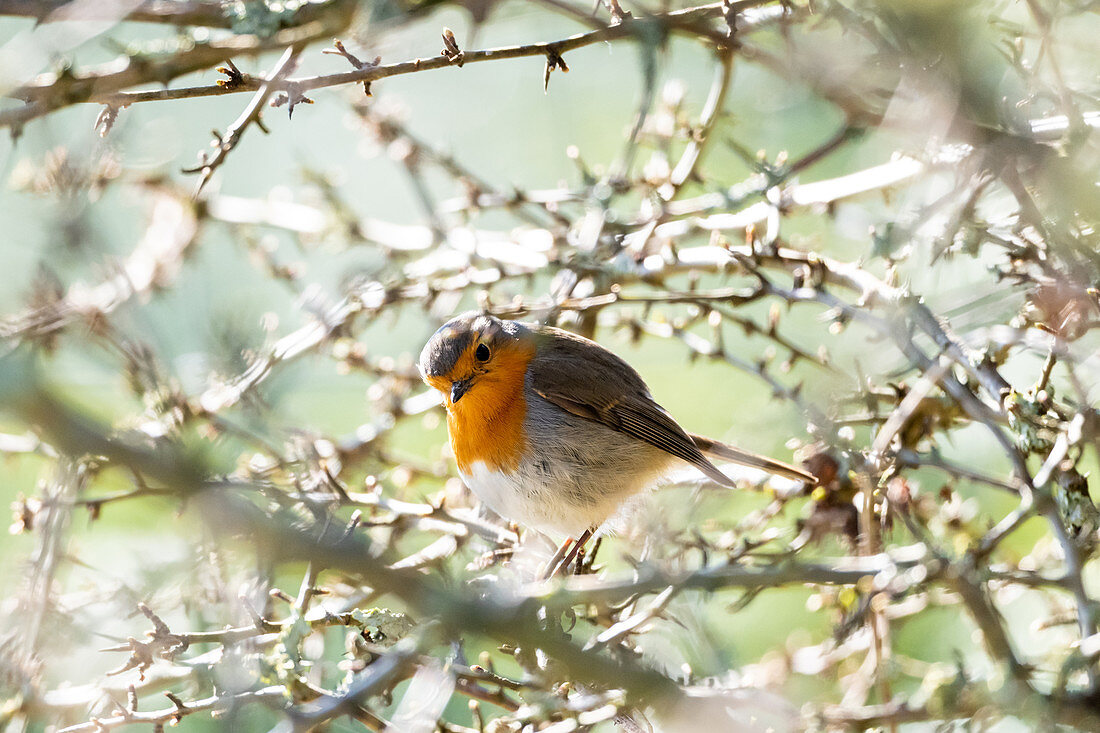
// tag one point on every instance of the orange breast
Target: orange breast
(487, 424)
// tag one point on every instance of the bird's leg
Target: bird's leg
(565, 555)
(586, 559)
(577, 549)
(550, 569)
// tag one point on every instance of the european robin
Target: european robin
(554, 431)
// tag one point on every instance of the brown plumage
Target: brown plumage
(553, 430)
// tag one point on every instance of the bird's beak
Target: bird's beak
(458, 389)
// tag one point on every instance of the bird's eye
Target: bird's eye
(482, 353)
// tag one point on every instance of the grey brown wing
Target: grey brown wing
(583, 378)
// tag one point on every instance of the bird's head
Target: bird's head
(472, 352)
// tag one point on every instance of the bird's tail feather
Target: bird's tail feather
(717, 449)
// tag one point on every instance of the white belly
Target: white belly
(529, 501)
(528, 498)
(580, 474)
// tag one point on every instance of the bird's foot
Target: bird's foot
(564, 557)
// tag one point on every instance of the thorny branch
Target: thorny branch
(250, 116)
(49, 92)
